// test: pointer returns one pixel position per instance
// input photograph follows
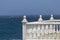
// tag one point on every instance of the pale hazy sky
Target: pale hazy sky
(29, 7)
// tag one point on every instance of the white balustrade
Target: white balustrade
(42, 28)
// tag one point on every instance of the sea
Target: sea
(11, 26)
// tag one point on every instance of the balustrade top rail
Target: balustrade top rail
(41, 21)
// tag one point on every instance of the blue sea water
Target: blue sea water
(11, 26)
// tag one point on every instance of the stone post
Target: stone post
(24, 21)
(51, 18)
(40, 18)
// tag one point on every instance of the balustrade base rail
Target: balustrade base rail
(42, 39)
(55, 36)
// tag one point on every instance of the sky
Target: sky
(29, 7)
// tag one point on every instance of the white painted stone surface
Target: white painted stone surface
(37, 30)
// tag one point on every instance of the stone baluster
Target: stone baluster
(46, 29)
(50, 28)
(54, 28)
(30, 33)
(34, 32)
(43, 30)
(57, 31)
(57, 28)
(38, 32)
(53, 31)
